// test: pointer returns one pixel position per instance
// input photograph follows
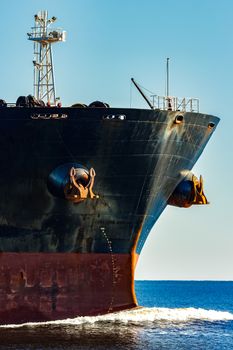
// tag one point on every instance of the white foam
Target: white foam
(141, 315)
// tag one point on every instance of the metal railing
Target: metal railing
(175, 103)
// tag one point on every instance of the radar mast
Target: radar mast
(43, 37)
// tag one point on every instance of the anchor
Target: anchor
(80, 185)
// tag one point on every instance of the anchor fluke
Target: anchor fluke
(188, 192)
(73, 182)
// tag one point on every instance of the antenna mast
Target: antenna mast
(167, 78)
(43, 37)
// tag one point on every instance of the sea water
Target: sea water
(175, 315)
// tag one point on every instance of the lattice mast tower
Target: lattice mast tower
(43, 37)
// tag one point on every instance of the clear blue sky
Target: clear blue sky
(110, 41)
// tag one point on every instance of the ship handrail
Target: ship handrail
(56, 34)
(184, 104)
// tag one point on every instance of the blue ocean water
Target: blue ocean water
(174, 315)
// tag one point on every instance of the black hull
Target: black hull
(138, 162)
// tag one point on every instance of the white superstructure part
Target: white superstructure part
(43, 37)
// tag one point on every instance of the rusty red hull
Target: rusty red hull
(42, 287)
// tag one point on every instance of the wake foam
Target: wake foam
(141, 315)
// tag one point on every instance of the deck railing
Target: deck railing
(175, 103)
